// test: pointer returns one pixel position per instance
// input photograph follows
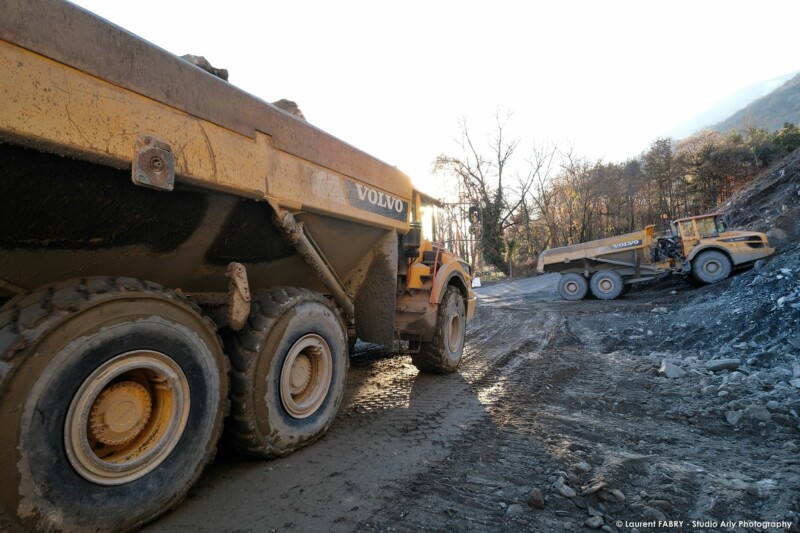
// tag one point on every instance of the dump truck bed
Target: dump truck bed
(75, 85)
(234, 142)
(631, 249)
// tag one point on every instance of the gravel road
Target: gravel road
(557, 420)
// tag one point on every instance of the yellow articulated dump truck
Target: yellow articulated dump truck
(699, 246)
(175, 253)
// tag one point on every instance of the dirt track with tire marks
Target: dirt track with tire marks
(542, 394)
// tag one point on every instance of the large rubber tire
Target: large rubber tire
(443, 354)
(81, 449)
(711, 267)
(292, 335)
(573, 287)
(607, 285)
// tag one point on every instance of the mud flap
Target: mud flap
(375, 299)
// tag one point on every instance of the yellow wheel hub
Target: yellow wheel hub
(306, 376)
(120, 412)
(126, 417)
(301, 374)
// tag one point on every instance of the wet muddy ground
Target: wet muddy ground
(557, 420)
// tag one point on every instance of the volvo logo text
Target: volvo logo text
(378, 198)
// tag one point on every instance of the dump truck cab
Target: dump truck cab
(710, 232)
(432, 275)
(444, 267)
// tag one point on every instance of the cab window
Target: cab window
(687, 230)
(706, 227)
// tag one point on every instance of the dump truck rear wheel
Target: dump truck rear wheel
(607, 285)
(711, 267)
(443, 354)
(113, 396)
(289, 366)
(573, 287)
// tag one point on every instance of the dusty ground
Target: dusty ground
(561, 399)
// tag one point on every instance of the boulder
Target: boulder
(715, 365)
(536, 499)
(671, 370)
(734, 417)
(758, 412)
(203, 63)
(777, 238)
(594, 522)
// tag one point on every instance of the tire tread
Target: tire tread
(430, 357)
(619, 285)
(243, 348)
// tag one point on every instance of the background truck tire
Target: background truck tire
(711, 267)
(443, 354)
(289, 366)
(97, 371)
(607, 285)
(573, 287)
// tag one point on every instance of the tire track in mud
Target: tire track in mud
(394, 424)
(499, 460)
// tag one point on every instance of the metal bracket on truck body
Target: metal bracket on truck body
(293, 231)
(229, 309)
(239, 296)
(153, 164)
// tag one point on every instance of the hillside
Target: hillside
(729, 105)
(771, 203)
(770, 112)
(767, 298)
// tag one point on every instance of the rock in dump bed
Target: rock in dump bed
(289, 106)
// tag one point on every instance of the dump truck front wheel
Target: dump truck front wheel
(443, 354)
(607, 285)
(289, 366)
(711, 267)
(112, 405)
(573, 287)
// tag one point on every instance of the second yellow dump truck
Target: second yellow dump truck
(150, 208)
(698, 246)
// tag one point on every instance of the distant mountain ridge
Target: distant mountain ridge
(769, 112)
(730, 104)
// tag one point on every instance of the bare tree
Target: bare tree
(542, 194)
(482, 172)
